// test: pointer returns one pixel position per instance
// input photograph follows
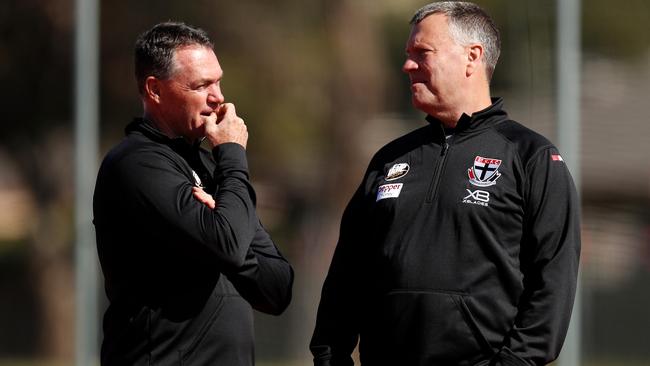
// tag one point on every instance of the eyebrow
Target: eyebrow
(202, 81)
(419, 46)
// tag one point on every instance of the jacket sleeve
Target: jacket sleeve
(265, 279)
(549, 260)
(157, 182)
(337, 322)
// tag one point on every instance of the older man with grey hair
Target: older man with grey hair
(461, 245)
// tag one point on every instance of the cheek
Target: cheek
(175, 103)
(197, 102)
(433, 73)
(448, 72)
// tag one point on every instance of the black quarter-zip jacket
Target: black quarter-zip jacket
(458, 250)
(182, 279)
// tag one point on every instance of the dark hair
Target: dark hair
(468, 23)
(154, 49)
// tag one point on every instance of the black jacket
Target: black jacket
(455, 251)
(182, 278)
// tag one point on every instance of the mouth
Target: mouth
(417, 85)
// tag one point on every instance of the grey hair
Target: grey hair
(155, 48)
(468, 24)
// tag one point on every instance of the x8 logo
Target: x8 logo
(478, 195)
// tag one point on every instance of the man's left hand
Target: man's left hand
(204, 197)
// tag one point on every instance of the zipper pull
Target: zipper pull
(445, 147)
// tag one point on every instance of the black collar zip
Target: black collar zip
(477, 121)
(191, 152)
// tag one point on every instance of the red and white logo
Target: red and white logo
(484, 172)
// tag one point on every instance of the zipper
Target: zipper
(433, 187)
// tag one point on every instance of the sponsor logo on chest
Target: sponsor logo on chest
(483, 173)
(389, 191)
(477, 197)
(397, 171)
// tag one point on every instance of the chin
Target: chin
(422, 105)
(425, 101)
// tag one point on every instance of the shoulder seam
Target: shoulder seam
(533, 157)
(547, 145)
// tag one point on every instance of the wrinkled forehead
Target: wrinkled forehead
(432, 29)
(193, 59)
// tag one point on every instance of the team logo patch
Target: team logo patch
(397, 171)
(389, 191)
(484, 172)
(197, 180)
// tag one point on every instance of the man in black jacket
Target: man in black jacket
(461, 245)
(184, 256)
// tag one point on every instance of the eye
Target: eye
(418, 53)
(206, 84)
(200, 85)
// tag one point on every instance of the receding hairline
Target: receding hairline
(468, 23)
(156, 48)
(184, 47)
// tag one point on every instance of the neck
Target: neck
(159, 123)
(471, 105)
(479, 104)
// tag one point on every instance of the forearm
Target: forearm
(265, 279)
(545, 311)
(550, 255)
(336, 333)
(228, 230)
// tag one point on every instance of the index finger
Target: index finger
(226, 108)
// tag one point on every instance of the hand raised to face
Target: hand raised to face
(225, 126)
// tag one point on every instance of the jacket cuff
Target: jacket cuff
(231, 160)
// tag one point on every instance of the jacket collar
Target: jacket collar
(477, 121)
(147, 128)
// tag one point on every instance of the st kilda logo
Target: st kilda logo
(484, 172)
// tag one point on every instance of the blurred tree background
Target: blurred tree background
(319, 84)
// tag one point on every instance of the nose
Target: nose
(409, 65)
(215, 97)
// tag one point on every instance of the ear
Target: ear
(152, 89)
(474, 59)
